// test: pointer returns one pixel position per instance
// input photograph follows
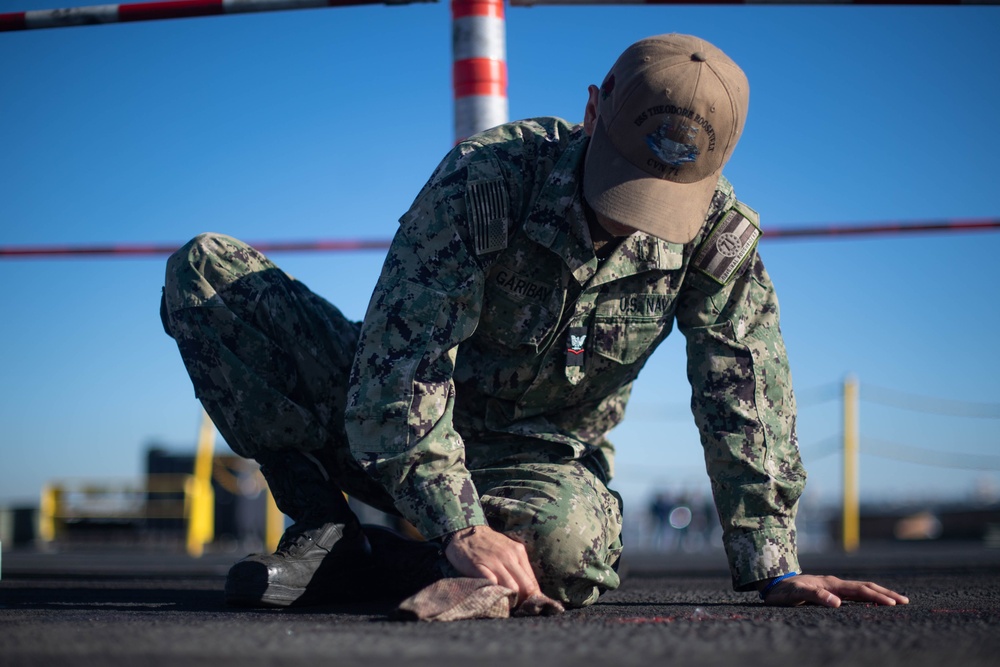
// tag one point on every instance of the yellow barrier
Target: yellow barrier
(200, 508)
(851, 521)
(48, 509)
(183, 497)
(165, 496)
(274, 524)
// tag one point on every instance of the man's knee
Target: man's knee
(574, 559)
(183, 268)
(570, 525)
(214, 270)
(205, 264)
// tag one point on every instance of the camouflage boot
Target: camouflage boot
(319, 555)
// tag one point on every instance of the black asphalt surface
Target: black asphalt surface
(160, 608)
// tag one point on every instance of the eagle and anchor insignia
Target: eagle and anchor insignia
(574, 352)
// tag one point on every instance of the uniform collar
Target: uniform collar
(558, 222)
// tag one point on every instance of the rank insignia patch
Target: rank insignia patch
(729, 244)
(488, 214)
(574, 350)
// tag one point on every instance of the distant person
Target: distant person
(659, 518)
(533, 276)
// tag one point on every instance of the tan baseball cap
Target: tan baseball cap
(669, 115)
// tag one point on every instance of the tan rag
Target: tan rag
(463, 598)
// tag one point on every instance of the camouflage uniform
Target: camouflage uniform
(496, 354)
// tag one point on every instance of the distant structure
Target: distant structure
(159, 509)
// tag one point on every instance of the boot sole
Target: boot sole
(250, 584)
(275, 596)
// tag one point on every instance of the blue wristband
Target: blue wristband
(775, 582)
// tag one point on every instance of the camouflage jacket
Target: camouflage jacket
(495, 335)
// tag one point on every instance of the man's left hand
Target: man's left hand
(829, 591)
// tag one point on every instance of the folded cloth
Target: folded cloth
(463, 598)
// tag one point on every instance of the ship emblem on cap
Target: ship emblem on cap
(670, 151)
(607, 87)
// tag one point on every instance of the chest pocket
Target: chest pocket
(629, 326)
(516, 310)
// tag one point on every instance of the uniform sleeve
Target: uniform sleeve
(402, 396)
(745, 411)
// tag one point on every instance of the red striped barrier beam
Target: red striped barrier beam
(479, 67)
(882, 228)
(529, 3)
(170, 9)
(147, 249)
(61, 251)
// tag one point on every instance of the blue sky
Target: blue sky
(325, 123)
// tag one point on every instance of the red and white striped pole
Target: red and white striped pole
(479, 69)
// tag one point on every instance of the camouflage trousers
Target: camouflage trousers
(270, 362)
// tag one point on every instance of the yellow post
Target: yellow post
(851, 513)
(274, 525)
(48, 510)
(201, 498)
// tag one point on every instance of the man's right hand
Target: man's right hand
(484, 553)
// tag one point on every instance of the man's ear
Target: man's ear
(590, 113)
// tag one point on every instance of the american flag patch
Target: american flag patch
(488, 215)
(729, 244)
